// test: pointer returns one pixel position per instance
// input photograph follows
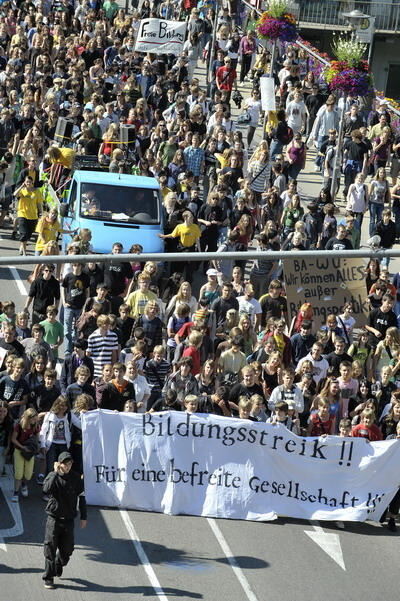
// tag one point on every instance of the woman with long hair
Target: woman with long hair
(292, 213)
(272, 207)
(35, 377)
(331, 393)
(183, 296)
(379, 194)
(372, 273)
(110, 142)
(55, 433)
(271, 375)
(207, 378)
(245, 229)
(248, 334)
(23, 439)
(237, 281)
(259, 171)
(385, 349)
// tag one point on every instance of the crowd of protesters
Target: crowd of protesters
(213, 337)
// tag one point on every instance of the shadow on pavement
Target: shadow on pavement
(159, 554)
(359, 528)
(146, 591)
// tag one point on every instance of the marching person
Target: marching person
(64, 487)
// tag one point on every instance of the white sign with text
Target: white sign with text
(160, 36)
(214, 466)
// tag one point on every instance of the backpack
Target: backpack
(287, 136)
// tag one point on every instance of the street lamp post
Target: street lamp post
(354, 18)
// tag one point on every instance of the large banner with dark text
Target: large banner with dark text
(215, 466)
(160, 36)
(327, 283)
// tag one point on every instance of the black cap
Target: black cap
(80, 344)
(64, 457)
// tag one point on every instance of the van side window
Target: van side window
(72, 198)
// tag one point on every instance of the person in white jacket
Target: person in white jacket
(357, 199)
(55, 433)
(288, 392)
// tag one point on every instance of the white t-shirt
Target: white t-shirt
(250, 307)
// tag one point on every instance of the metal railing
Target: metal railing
(330, 12)
(200, 256)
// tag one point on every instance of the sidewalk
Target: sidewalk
(310, 182)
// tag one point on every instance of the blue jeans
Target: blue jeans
(70, 318)
(275, 148)
(375, 214)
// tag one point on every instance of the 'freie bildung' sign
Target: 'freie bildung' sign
(160, 36)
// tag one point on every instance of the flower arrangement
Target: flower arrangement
(349, 74)
(277, 23)
(348, 50)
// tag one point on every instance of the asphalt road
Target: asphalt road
(159, 557)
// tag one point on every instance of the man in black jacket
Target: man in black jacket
(64, 487)
(44, 291)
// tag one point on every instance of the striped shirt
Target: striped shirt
(101, 348)
(156, 374)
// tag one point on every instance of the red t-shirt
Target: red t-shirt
(319, 427)
(372, 433)
(184, 332)
(192, 351)
(225, 77)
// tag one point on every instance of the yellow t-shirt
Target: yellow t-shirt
(138, 300)
(28, 203)
(48, 231)
(67, 158)
(187, 234)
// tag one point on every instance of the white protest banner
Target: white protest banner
(267, 89)
(327, 283)
(161, 36)
(215, 466)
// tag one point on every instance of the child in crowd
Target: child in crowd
(24, 440)
(367, 428)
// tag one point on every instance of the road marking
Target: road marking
(7, 486)
(18, 281)
(144, 560)
(232, 561)
(328, 542)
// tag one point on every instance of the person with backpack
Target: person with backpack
(259, 171)
(281, 135)
(327, 119)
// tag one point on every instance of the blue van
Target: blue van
(116, 208)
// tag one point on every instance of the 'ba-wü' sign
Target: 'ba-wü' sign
(327, 283)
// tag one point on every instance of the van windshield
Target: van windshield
(119, 203)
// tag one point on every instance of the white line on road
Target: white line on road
(7, 486)
(232, 560)
(18, 281)
(144, 560)
(328, 542)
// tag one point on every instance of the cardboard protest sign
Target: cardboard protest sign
(326, 283)
(160, 36)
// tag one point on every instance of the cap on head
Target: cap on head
(65, 457)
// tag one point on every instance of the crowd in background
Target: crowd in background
(215, 337)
